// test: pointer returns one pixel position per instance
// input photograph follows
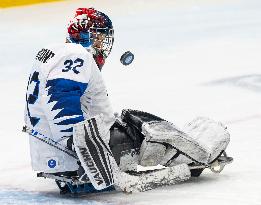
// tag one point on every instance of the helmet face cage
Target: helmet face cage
(92, 28)
(102, 40)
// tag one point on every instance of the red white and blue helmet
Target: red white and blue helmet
(93, 30)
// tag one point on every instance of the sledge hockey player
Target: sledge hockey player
(74, 136)
(65, 87)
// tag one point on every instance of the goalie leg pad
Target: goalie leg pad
(154, 179)
(202, 140)
(93, 152)
(211, 135)
(151, 154)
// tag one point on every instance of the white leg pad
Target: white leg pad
(202, 140)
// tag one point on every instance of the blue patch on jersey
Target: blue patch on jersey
(31, 99)
(67, 102)
(34, 96)
(67, 130)
(71, 121)
(51, 163)
(66, 93)
(34, 120)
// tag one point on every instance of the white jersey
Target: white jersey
(65, 87)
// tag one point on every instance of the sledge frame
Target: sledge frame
(68, 182)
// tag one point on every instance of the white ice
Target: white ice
(192, 58)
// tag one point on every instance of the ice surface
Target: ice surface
(23, 197)
(192, 58)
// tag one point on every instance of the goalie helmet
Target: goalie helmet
(94, 31)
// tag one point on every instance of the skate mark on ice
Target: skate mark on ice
(250, 82)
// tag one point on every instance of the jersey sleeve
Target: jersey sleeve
(66, 82)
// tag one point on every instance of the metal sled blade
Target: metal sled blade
(218, 165)
(69, 184)
(62, 177)
(79, 189)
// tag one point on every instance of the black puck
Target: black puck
(127, 58)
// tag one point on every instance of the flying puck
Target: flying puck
(127, 58)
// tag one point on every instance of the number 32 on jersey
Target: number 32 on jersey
(74, 66)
